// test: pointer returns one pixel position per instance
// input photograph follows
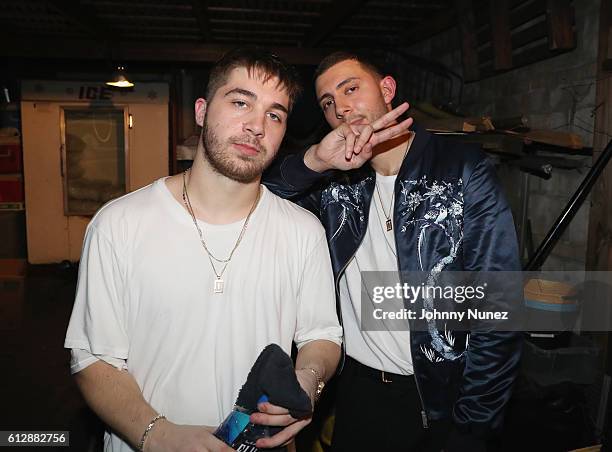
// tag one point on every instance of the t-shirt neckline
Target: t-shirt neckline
(178, 211)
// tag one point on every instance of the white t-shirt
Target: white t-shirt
(145, 295)
(383, 350)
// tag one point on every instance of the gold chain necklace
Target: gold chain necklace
(219, 283)
(389, 222)
(382, 228)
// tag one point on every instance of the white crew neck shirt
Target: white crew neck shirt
(145, 295)
(388, 351)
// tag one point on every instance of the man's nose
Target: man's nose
(342, 110)
(255, 125)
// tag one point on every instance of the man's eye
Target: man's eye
(326, 104)
(275, 117)
(351, 89)
(239, 103)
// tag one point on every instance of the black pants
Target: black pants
(372, 415)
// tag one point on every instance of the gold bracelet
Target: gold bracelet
(320, 382)
(148, 429)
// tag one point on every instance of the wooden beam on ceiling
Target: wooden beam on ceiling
(267, 11)
(469, 45)
(560, 18)
(28, 47)
(599, 243)
(133, 17)
(200, 11)
(84, 16)
(269, 33)
(407, 4)
(136, 4)
(440, 22)
(263, 23)
(607, 61)
(501, 39)
(332, 17)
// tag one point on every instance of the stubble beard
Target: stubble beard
(376, 114)
(239, 168)
(370, 116)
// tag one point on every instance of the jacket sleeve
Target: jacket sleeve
(290, 178)
(492, 359)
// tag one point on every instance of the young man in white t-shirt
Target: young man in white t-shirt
(183, 282)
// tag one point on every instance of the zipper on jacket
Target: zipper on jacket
(424, 418)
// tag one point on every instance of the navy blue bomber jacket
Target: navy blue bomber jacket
(451, 188)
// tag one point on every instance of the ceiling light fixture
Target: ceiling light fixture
(120, 79)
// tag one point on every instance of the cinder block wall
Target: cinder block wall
(559, 94)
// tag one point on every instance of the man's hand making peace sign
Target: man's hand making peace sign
(350, 146)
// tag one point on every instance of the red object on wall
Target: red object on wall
(10, 158)
(11, 189)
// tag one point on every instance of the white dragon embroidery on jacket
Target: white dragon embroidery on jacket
(444, 212)
(444, 203)
(350, 199)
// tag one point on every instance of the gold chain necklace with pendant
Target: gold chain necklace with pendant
(389, 221)
(219, 283)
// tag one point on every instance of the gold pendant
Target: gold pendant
(218, 287)
(389, 224)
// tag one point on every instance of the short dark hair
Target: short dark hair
(255, 58)
(362, 57)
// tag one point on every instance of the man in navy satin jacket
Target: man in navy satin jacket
(392, 200)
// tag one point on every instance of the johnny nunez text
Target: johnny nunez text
(434, 314)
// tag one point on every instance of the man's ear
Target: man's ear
(388, 88)
(200, 111)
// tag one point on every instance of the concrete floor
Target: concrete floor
(37, 390)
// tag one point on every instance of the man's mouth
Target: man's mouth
(247, 148)
(360, 121)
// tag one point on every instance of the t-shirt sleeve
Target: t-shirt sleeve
(81, 359)
(317, 318)
(99, 317)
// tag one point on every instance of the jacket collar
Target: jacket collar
(417, 148)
